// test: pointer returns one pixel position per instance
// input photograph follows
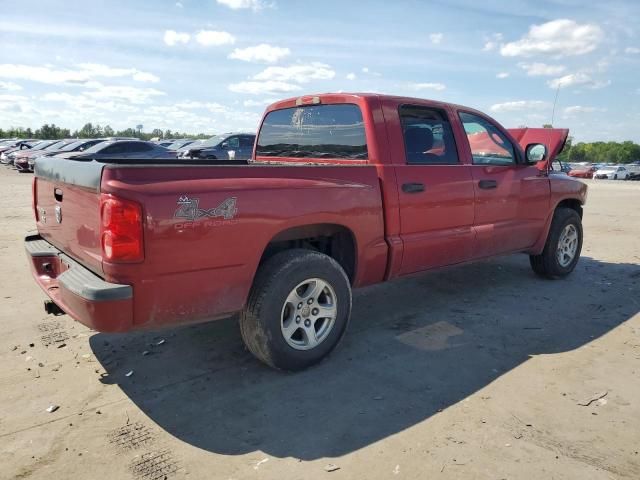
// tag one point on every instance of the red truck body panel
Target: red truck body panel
(198, 268)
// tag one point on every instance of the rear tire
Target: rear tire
(298, 309)
(562, 249)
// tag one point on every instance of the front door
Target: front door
(511, 197)
(435, 191)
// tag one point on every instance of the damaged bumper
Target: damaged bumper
(100, 305)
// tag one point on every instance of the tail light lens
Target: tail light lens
(121, 230)
(34, 197)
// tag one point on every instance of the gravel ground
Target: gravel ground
(478, 371)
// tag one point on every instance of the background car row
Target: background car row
(22, 153)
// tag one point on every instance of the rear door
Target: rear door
(434, 186)
(511, 197)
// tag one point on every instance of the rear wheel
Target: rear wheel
(562, 249)
(298, 309)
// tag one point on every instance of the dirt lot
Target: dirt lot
(472, 372)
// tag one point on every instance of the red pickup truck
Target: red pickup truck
(344, 190)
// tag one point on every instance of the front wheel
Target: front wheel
(615, 177)
(298, 309)
(562, 249)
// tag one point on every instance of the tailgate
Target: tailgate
(67, 202)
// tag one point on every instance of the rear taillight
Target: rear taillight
(121, 230)
(34, 199)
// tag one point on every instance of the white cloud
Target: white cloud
(368, 71)
(559, 38)
(123, 92)
(260, 53)
(171, 37)
(179, 5)
(99, 70)
(576, 79)
(427, 86)
(302, 73)
(259, 103)
(492, 42)
(241, 4)
(12, 98)
(351, 76)
(541, 69)
(503, 75)
(436, 38)
(145, 77)
(266, 87)
(83, 75)
(9, 87)
(520, 105)
(579, 109)
(632, 50)
(213, 38)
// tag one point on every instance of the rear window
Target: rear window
(314, 131)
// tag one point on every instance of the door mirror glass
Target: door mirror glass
(536, 152)
(224, 145)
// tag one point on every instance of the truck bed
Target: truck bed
(200, 256)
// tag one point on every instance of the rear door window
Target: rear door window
(314, 131)
(428, 138)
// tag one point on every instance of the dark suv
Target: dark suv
(228, 146)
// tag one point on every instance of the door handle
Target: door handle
(487, 184)
(413, 187)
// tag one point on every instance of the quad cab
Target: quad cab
(343, 190)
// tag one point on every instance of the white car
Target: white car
(612, 173)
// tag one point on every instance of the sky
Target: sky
(212, 66)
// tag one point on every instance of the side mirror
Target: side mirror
(535, 152)
(224, 145)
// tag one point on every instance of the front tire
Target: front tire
(562, 249)
(298, 309)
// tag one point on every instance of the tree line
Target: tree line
(600, 152)
(53, 132)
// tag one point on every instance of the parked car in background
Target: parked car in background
(559, 167)
(180, 143)
(25, 163)
(12, 147)
(17, 144)
(11, 157)
(70, 149)
(582, 172)
(79, 146)
(228, 146)
(125, 149)
(612, 173)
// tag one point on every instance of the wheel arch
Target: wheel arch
(572, 203)
(335, 240)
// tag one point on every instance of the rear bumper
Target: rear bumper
(100, 305)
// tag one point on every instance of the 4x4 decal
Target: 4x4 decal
(188, 208)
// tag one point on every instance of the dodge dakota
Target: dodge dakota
(342, 191)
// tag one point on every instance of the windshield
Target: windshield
(42, 145)
(179, 144)
(211, 142)
(54, 146)
(72, 146)
(99, 146)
